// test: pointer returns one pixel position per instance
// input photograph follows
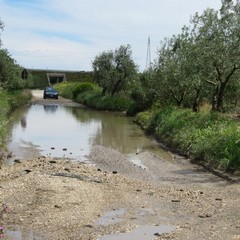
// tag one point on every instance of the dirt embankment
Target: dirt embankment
(61, 199)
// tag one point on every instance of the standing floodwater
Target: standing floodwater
(64, 131)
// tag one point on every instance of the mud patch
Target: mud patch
(145, 232)
(111, 217)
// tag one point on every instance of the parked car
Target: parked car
(50, 92)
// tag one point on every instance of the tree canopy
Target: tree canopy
(114, 70)
(202, 62)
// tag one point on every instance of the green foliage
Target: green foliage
(83, 87)
(90, 95)
(10, 72)
(144, 119)
(208, 138)
(114, 70)
(95, 99)
(18, 98)
(8, 102)
(203, 61)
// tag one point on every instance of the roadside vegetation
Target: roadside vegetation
(197, 68)
(12, 93)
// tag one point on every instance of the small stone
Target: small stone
(52, 148)
(67, 169)
(88, 226)
(17, 161)
(52, 161)
(157, 234)
(57, 206)
(218, 199)
(175, 200)
(99, 170)
(64, 149)
(114, 172)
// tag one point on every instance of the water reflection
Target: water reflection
(71, 131)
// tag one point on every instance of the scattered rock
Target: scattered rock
(26, 171)
(52, 161)
(114, 172)
(17, 161)
(157, 234)
(175, 200)
(64, 149)
(52, 148)
(88, 226)
(218, 199)
(204, 215)
(57, 206)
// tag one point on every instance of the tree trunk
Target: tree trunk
(214, 99)
(196, 101)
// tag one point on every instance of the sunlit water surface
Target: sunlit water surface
(59, 131)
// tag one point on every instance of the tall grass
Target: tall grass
(209, 138)
(8, 102)
(4, 110)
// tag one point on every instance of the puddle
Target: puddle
(136, 161)
(70, 132)
(18, 234)
(145, 232)
(111, 217)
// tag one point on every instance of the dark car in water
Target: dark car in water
(50, 92)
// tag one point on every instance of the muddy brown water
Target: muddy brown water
(66, 131)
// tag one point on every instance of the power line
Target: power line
(148, 59)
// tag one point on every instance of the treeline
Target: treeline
(201, 64)
(11, 86)
(195, 70)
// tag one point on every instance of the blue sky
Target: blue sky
(57, 34)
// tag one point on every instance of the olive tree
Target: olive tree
(1, 28)
(114, 70)
(217, 36)
(202, 61)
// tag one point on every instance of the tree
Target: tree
(1, 28)
(202, 61)
(217, 42)
(113, 70)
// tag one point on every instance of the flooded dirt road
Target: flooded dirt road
(114, 197)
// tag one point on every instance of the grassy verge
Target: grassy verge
(8, 102)
(211, 139)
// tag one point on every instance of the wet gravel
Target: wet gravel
(55, 198)
(62, 199)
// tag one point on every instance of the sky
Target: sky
(69, 34)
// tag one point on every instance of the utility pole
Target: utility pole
(148, 60)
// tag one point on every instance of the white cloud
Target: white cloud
(69, 34)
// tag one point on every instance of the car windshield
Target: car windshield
(49, 89)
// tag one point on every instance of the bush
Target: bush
(10, 101)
